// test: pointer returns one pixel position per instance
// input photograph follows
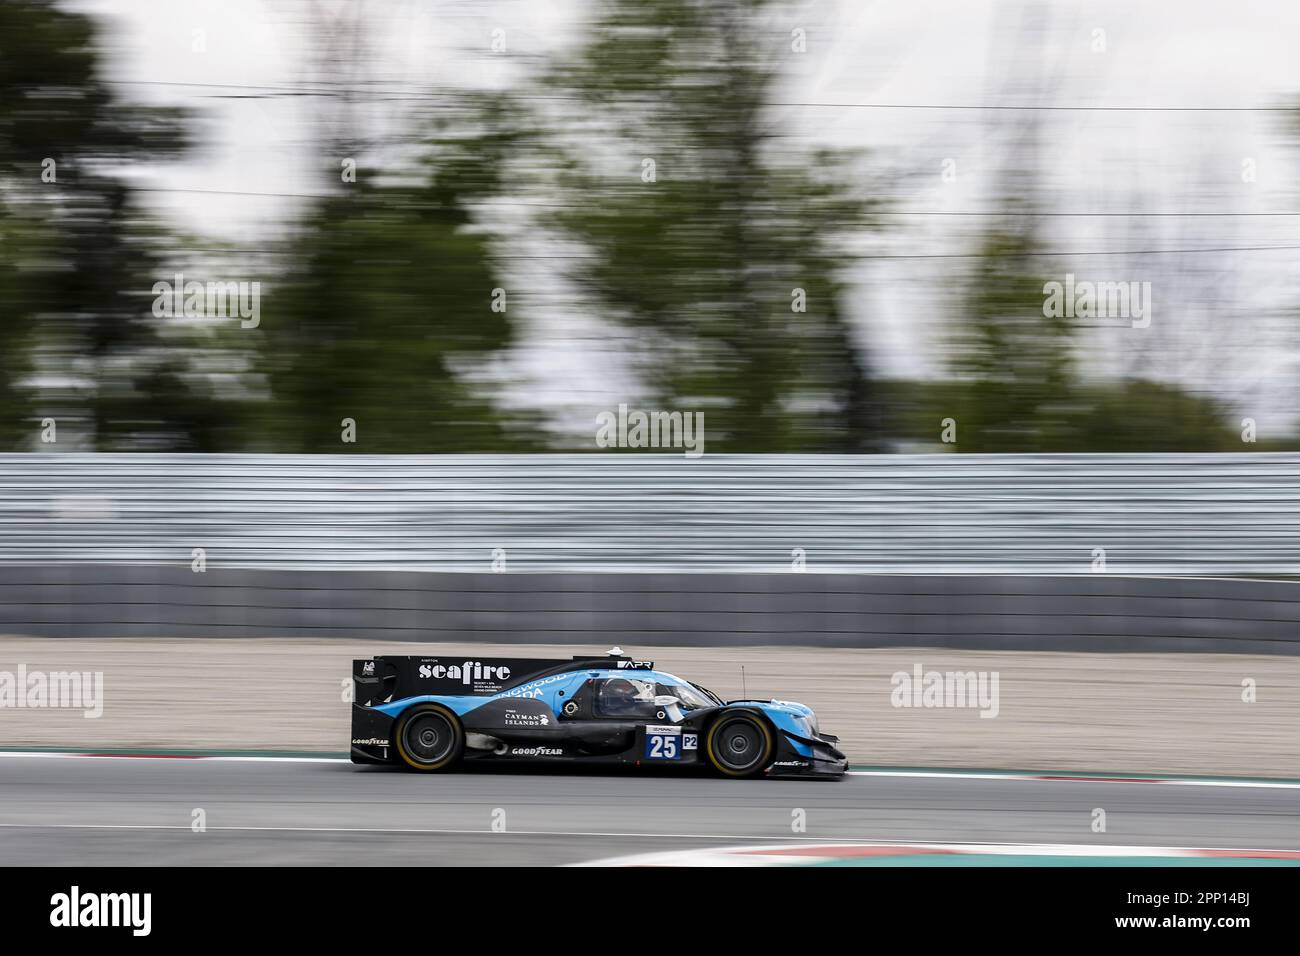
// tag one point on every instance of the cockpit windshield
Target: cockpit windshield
(692, 697)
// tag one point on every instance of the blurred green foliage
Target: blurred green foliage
(709, 261)
(80, 344)
(1014, 387)
(1013, 363)
(1126, 416)
(726, 269)
(15, 345)
(392, 295)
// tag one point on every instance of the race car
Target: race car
(430, 714)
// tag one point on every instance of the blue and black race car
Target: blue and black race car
(430, 714)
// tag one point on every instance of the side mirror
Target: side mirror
(665, 700)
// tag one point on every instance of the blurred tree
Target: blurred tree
(76, 321)
(719, 248)
(1140, 417)
(15, 348)
(1013, 362)
(1014, 387)
(391, 303)
(1126, 416)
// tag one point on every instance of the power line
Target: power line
(869, 256)
(1073, 215)
(237, 249)
(897, 212)
(994, 255)
(325, 90)
(236, 192)
(1099, 252)
(1043, 108)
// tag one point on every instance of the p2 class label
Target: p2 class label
(663, 743)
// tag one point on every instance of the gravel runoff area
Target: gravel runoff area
(1125, 713)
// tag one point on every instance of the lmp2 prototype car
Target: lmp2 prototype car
(429, 714)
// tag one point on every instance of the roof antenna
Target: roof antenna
(744, 694)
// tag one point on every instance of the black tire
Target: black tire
(429, 738)
(740, 745)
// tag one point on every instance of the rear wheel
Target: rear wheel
(429, 738)
(739, 745)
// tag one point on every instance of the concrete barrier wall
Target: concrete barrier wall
(988, 612)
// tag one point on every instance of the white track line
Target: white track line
(1135, 780)
(1043, 777)
(177, 757)
(747, 840)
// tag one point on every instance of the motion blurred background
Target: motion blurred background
(475, 226)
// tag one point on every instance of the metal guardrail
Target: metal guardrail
(1216, 515)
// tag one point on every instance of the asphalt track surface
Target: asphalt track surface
(78, 810)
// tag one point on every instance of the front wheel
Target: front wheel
(429, 738)
(739, 745)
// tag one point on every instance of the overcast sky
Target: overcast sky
(1237, 57)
